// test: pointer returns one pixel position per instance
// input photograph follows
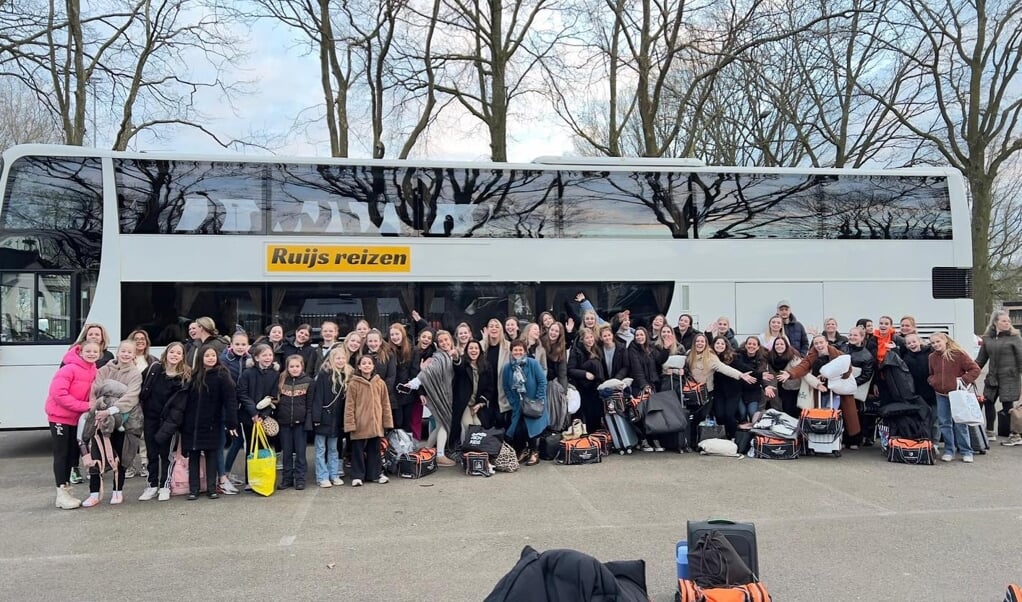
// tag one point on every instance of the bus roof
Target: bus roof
(581, 163)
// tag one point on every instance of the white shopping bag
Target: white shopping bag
(964, 405)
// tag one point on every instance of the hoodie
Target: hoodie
(68, 398)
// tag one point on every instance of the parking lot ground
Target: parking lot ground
(850, 528)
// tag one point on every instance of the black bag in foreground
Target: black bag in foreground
(663, 414)
(479, 439)
(713, 562)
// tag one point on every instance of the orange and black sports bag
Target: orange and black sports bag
(910, 451)
(584, 450)
(688, 591)
(603, 439)
(1014, 594)
(771, 448)
(417, 464)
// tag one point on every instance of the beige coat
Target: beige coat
(701, 369)
(367, 408)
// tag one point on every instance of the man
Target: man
(797, 336)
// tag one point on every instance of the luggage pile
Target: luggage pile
(618, 409)
(402, 459)
(776, 436)
(719, 561)
(823, 428)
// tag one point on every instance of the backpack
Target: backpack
(714, 562)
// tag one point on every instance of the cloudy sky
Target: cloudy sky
(286, 89)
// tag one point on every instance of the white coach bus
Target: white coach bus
(153, 241)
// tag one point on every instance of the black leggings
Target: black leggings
(195, 458)
(65, 451)
(95, 474)
(725, 409)
(157, 460)
(993, 395)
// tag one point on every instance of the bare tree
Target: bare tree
(133, 53)
(962, 58)
(22, 118)
(1006, 233)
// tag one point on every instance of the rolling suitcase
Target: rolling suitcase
(741, 535)
(978, 439)
(823, 429)
(622, 433)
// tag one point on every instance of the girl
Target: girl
(462, 335)
(621, 326)
(474, 386)
(436, 379)
(67, 400)
(523, 378)
(497, 352)
(401, 351)
(143, 359)
(821, 352)
(917, 359)
(833, 336)
(366, 417)
(722, 328)
(948, 363)
(642, 363)
(585, 371)
(863, 369)
(275, 338)
(668, 346)
(386, 366)
(884, 335)
(292, 415)
(750, 359)
(362, 327)
(781, 395)
(684, 333)
(556, 354)
(1002, 348)
(774, 330)
(236, 359)
(353, 344)
(165, 379)
(208, 406)
(546, 319)
(422, 352)
(727, 391)
(702, 366)
(533, 347)
(655, 325)
(327, 402)
(125, 428)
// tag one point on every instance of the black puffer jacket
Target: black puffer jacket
(643, 368)
(157, 390)
(326, 406)
(751, 392)
(568, 575)
(864, 361)
(208, 407)
(918, 363)
(293, 400)
(255, 384)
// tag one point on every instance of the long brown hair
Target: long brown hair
(384, 352)
(555, 351)
(182, 368)
(404, 350)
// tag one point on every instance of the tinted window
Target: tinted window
(190, 197)
(626, 204)
(490, 203)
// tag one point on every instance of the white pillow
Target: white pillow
(574, 399)
(719, 447)
(836, 368)
(842, 386)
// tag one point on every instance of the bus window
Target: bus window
(35, 308)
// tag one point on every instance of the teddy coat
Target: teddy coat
(367, 408)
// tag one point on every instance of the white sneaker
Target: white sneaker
(326, 484)
(991, 435)
(337, 481)
(356, 483)
(227, 487)
(1013, 440)
(148, 494)
(646, 447)
(130, 473)
(66, 501)
(946, 458)
(657, 447)
(383, 479)
(967, 459)
(233, 478)
(164, 494)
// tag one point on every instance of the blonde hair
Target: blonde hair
(206, 323)
(950, 346)
(783, 333)
(103, 344)
(384, 352)
(994, 317)
(338, 378)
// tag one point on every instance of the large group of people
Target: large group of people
(345, 394)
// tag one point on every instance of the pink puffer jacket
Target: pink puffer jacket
(69, 391)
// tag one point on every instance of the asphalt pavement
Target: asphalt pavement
(834, 529)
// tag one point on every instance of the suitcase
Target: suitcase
(548, 444)
(602, 438)
(741, 535)
(622, 433)
(822, 429)
(770, 448)
(909, 451)
(978, 439)
(584, 450)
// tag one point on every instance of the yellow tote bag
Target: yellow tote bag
(262, 463)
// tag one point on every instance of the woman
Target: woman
(833, 335)
(96, 333)
(814, 386)
(524, 379)
(401, 350)
(209, 406)
(462, 335)
(702, 364)
(436, 379)
(655, 325)
(474, 386)
(642, 362)
(750, 360)
(722, 328)
(546, 319)
(422, 352)
(884, 336)
(590, 320)
(326, 403)
(585, 371)
(685, 332)
(67, 400)
(863, 369)
(556, 354)
(1002, 349)
(948, 363)
(362, 327)
(917, 358)
(205, 334)
(666, 347)
(533, 346)
(115, 416)
(621, 326)
(165, 379)
(512, 328)
(774, 330)
(777, 394)
(727, 392)
(143, 359)
(497, 352)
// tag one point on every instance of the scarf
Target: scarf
(518, 376)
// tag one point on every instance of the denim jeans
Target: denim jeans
(226, 459)
(747, 409)
(956, 436)
(328, 463)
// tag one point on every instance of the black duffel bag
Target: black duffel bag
(663, 414)
(488, 441)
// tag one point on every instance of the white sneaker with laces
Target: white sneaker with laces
(337, 481)
(356, 483)
(130, 473)
(148, 494)
(1013, 440)
(163, 494)
(234, 479)
(227, 487)
(326, 484)
(946, 458)
(657, 447)
(967, 459)
(383, 479)
(646, 447)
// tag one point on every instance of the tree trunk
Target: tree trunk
(982, 197)
(498, 85)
